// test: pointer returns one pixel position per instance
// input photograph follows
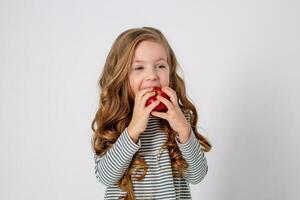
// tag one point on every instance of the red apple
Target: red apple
(160, 107)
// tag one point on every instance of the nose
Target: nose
(151, 75)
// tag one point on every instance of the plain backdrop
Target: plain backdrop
(240, 61)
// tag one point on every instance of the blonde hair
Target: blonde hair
(117, 101)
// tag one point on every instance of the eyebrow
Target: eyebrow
(141, 61)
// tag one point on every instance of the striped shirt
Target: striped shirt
(159, 183)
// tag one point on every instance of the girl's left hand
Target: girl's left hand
(174, 114)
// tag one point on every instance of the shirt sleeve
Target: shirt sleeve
(110, 167)
(194, 156)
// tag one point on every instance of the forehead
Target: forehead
(149, 51)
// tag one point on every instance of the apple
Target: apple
(160, 107)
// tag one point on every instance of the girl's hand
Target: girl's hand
(174, 115)
(141, 113)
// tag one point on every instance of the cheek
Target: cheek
(165, 80)
(135, 85)
(131, 84)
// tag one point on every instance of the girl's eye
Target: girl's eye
(138, 68)
(162, 66)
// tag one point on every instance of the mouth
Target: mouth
(150, 86)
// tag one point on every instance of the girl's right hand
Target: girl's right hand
(141, 113)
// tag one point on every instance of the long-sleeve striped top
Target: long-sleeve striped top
(159, 183)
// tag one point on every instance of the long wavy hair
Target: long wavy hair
(117, 100)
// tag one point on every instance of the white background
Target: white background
(240, 61)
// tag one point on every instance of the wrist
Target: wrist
(185, 135)
(133, 134)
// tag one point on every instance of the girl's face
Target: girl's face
(149, 66)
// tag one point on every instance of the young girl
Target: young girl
(141, 153)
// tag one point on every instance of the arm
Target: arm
(110, 167)
(194, 156)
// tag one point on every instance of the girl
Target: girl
(141, 153)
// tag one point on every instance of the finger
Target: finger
(147, 96)
(142, 92)
(171, 93)
(159, 114)
(165, 101)
(150, 107)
